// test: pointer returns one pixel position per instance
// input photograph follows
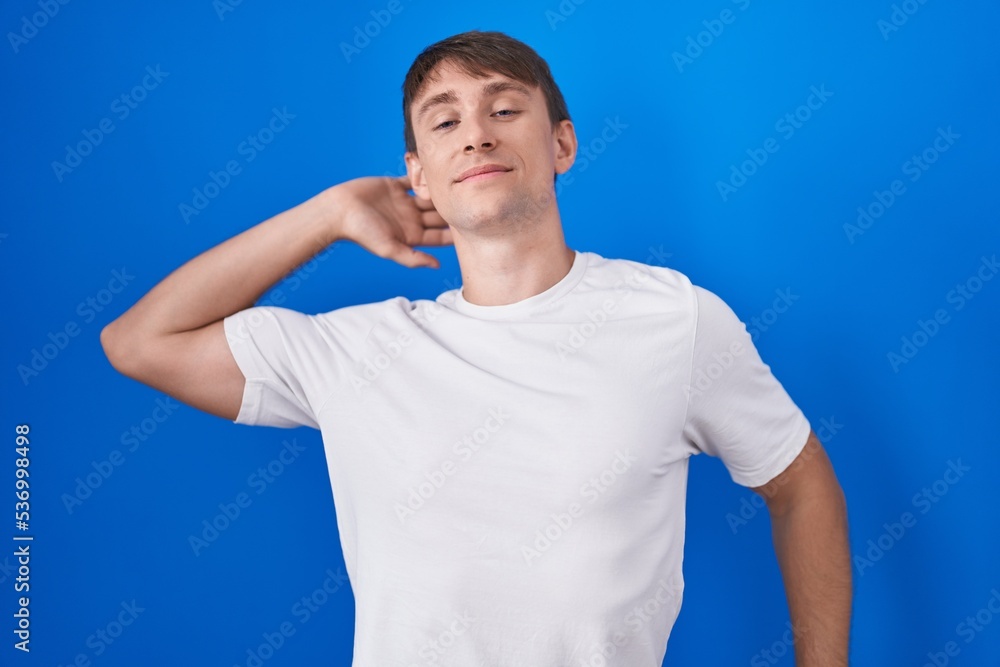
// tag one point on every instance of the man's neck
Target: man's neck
(502, 270)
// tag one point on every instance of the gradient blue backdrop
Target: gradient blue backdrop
(652, 194)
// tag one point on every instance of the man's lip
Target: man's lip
(481, 169)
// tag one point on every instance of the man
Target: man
(509, 461)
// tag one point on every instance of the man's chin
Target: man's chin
(489, 212)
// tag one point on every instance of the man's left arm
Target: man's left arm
(809, 524)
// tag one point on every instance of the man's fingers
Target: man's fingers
(423, 204)
(411, 257)
(437, 237)
(432, 219)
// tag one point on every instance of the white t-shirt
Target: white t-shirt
(510, 480)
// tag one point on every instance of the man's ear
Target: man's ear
(564, 144)
(416, 173)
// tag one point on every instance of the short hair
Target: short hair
(479, 54)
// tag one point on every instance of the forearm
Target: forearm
(232, 275)
(812, 546)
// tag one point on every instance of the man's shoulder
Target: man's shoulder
(652, 276)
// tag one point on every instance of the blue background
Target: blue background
(655, 187)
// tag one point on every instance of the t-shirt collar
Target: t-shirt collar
(532, 304)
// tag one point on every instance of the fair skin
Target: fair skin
(506, 227)
(508, 238)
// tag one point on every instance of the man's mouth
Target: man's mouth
(482, 172)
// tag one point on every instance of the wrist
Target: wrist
(329, 215)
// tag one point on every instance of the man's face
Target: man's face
(460, 123)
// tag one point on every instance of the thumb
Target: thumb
(411, 257)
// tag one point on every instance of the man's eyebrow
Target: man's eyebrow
(489, 89)
(497, 87)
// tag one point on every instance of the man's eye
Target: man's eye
(507, 113)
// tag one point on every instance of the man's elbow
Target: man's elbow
(108, 345)
(118, 352)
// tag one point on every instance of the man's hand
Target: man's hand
(377, 213)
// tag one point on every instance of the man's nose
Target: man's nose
(486, 145)
(479, 136)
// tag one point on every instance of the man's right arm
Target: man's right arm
(173, 339)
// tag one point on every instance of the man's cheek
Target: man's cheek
(429, 152)
(439, 200)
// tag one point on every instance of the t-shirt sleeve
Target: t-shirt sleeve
(287, 361)
(737, 410)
